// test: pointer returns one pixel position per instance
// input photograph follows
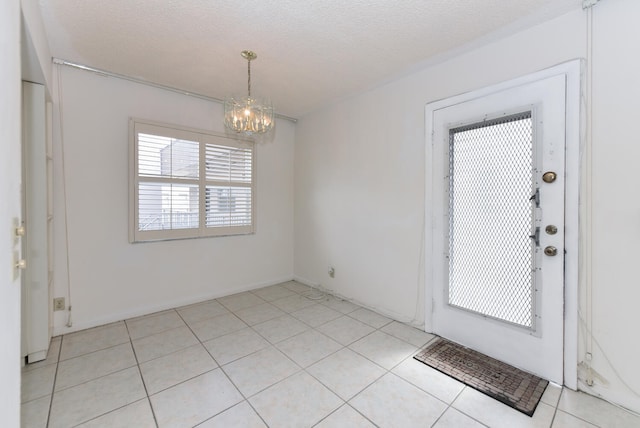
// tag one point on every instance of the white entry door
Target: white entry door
(498, 188)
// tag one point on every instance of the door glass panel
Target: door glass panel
(490, 255)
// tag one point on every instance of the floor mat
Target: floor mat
(505, 383)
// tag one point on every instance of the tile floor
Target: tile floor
(271, 357)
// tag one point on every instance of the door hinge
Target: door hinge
(536, 197)
(536, 236)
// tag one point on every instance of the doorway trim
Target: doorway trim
(572, 71)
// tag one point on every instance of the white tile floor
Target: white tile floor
(270, 357)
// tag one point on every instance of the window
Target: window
(187, 183)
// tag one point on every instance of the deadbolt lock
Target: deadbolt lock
(551, 229)
(550, 251)
(549, 177)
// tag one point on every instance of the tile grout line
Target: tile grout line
(555, 408)
(346, 402)
(390, 371)
(246, 399)
(450, 406)
(144, 384)
(98, 377)
(117, 371)
(108, 374)
(273, 345)
(275, 348)
(301, 370)
(110, 325)
(53, 387)
(222, 371)
(387, 371)
(91, 352)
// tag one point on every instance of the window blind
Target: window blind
(189, 183)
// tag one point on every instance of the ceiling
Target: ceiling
(311, 53)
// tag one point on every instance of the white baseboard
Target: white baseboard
(147, 310)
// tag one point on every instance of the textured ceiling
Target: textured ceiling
(310, 52)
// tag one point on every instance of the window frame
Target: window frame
(203, 138)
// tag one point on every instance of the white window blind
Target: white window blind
(188, 183)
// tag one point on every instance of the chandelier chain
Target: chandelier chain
(249, 78)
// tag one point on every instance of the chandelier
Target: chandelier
(246, 114)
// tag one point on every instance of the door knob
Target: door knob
(549, 177)
(550, 251)
(21, 264)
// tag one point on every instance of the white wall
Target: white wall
(360, 173)
(38, 58)
(360, 170)
(616, 206)
(10, 178)
(112, 279)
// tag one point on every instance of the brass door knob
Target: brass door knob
(549, 177)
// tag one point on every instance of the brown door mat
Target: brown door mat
(505, 383)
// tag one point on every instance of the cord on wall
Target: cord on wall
(315, 293)
(589, 204)
(420, 285)
(588, 4)
(605, 356)
(64, 190)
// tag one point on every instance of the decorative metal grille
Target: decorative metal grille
(491, 257)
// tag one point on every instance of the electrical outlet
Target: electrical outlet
(58, 304)
(332, 272)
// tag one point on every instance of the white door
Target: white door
(498, 224)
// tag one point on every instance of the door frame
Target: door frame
(572, 71)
